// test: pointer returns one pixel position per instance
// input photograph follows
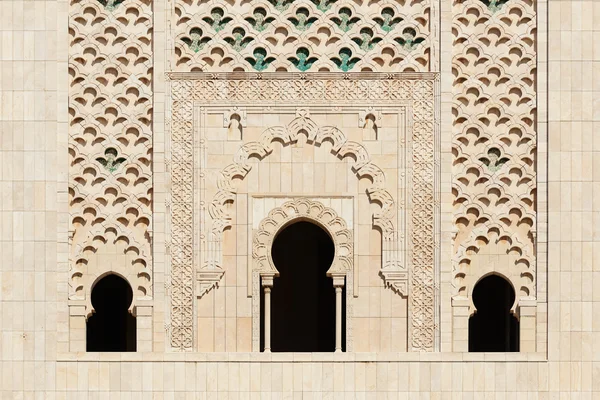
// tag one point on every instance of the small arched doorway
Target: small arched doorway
(493, 327)
(111, 327)
(303, 299)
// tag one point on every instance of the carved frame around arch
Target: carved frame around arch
(416, 94)
(312, 211)
(519, 270)
(302, 209)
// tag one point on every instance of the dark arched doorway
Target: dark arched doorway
(303, 297)
(493, 327)
(111, 327)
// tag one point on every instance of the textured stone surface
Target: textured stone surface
(283, 149)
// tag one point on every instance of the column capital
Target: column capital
(339, 280)
(267, 280)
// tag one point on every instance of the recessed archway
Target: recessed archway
(303, 303)
(493, 327)
(111, 327)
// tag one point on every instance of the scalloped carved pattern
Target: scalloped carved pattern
(494, 134)
(512, 259)
(299, 36)
(117, 246)
(303, 209)
(342, 148)
(110, 138)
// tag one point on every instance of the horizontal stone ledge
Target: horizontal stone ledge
(303, 357)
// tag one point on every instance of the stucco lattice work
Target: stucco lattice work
(419, 91)
(302, 36)
(110, 143)
(494, 144)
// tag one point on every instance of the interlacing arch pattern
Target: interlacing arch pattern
(514, 260)
(299, 36)
(110, 134)
(136, 270)
(308, 210)
(342, 148)
(494, 147)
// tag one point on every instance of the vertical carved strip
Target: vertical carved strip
(110, 138)
(494, 147)
(424, 197)
(181, 217)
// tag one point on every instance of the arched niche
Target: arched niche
(303, 305)
(492, 250)
(111, 327)
(265, 269)
(493, 326)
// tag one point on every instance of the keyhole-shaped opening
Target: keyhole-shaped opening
(234, 131)
(493, 327)
(303, 297)
(111, 327)
(370, 128)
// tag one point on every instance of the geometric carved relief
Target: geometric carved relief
(110, 143)
(192, 91)
(302, 36)
(316, 135)
(494, 146)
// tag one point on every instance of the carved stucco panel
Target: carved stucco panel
(494, 139)
(304, 36)
(419, 90)
(110, 143)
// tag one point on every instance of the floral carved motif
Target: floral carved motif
(494, 146)
(418, 90)
(299, 36)
(110, 138)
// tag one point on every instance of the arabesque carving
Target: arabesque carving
(110, 139)
(494, 147)
(301, 36)
(418, 90)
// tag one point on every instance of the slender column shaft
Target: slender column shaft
(338, 319)
(267, 326)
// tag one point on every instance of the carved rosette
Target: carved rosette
(419, 90)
